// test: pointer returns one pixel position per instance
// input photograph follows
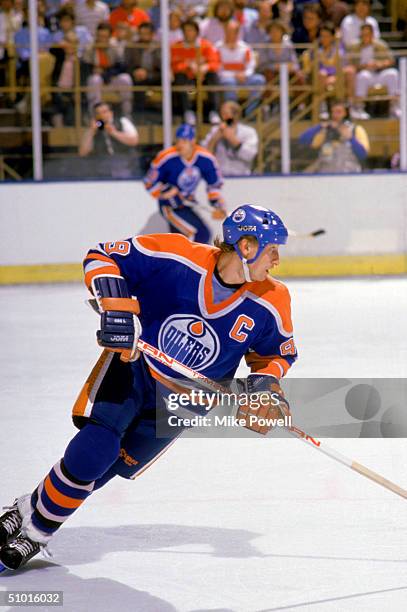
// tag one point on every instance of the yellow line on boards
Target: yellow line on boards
(346, 265)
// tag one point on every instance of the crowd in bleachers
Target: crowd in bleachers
(233, 44)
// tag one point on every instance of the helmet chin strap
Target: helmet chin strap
(245, 262)
(246, 271)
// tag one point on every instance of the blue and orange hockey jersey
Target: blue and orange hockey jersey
(172, 279)
(169, 169)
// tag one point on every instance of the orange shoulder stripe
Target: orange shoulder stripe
(176, 244)
(160, 158)
(277, 295)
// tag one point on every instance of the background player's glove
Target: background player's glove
(218, 209)
(265, 392)
(120, 327)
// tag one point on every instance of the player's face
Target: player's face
(185, 147)
(268, 259)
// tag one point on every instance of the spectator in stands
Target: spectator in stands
(234, 144)
(213, 28)
(375, 65)
(175, 24)
(90, 13)
(192, 57)
(192, 9)
(23, 53)
(334, 11)
(123, 37)
(143, 62)
(329, 57)
(283, 11)
(109, 145)
(63, 77)
(102, 66)
(128, 12)
(10, 22)
(256, 32)
(271, 58)
(350, 26)
(342, 146)
(243, 14)
(66, 23)
(238, 65)
(308, 31)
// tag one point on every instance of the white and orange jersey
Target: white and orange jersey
(172, 279)
(239, 59)
(169, 169)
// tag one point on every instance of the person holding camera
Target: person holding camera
(342, 146)
(108, 144)
(234, 144)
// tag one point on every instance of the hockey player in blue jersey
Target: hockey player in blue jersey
(173, 178)
(220, 305)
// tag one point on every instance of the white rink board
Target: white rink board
(57, 222)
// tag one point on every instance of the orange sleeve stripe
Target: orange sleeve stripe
(105, 270)
(268, 364)
(59, 498)
(155, 193)
(99, 257)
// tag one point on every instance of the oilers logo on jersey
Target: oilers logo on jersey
(189, 339)
(189, 179)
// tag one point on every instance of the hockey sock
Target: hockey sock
(72, 479)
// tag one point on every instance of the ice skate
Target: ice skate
(16, 554)
(10, 523)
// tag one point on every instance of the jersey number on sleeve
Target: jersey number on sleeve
(118, 248)
(288, 347)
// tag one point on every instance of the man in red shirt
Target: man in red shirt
(129, 13)
(191, 58)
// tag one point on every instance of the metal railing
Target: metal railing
(302, 99)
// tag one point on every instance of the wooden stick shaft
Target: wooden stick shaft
(179, 367)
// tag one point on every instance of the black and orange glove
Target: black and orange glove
(265, 403)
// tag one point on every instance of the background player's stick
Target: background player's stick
(314, 234)
(184, 370)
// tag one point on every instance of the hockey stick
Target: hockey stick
(314, 234)
(188, 372)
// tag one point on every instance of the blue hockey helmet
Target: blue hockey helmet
(257, 221)
(185, 131)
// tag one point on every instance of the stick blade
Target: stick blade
(318, 232)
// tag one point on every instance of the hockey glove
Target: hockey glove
(218, 208)
(266, 403)
(120, 327)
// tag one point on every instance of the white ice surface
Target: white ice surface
(215, 525)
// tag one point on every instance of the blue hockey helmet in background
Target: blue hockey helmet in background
(185, 131)
(257, 221)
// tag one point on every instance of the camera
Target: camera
(230, 121)
(332, 133)
(100, 124)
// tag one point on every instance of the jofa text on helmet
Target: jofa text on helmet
(247, 228)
